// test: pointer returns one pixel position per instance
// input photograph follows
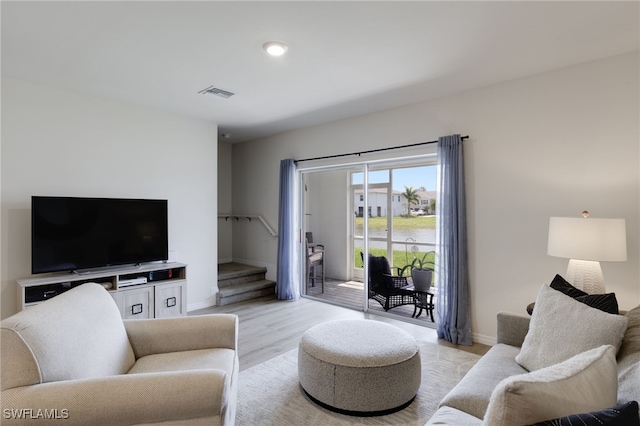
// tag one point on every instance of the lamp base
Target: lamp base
(586, 275)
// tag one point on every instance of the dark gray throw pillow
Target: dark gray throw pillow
(621, 415)
(605, 302)
(563, 286)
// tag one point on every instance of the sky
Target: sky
(411, 176)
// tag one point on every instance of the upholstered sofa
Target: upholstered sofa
(74, 360)
(560, 382)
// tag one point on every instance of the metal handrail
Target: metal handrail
(237, 217)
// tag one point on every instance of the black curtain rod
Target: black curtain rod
(372, 150)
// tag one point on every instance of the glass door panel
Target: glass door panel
(326, 226)
(414, 233)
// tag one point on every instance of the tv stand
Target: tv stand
(162, 292)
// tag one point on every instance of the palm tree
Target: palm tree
(412, 198)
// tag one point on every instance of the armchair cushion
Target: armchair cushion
(41, 344)
(222, 359)
(162, 335)
(126, 399)
(75, 353)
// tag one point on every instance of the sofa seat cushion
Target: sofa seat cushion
(452, 417)
(473, 392)
(220, 359)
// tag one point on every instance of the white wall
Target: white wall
(225, 207)
(329, 215)
(551, 144)
(56, 142)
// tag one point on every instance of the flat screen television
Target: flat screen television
(73, 233)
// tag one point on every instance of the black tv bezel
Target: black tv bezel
(98, 267)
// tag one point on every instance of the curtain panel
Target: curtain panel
(287, 280)
(452, 275)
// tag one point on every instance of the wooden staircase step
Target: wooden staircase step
(245, 291)
(230, 282)
(232, 270)
(238, 282)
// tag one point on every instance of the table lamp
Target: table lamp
(587, 242)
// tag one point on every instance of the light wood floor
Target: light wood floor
(270, 327)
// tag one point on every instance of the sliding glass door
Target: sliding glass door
(385, 209)
(326, 228)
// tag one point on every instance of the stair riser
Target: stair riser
(244, 288)
(221, 301)
(241, 280)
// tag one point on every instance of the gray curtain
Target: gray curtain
(452, 275)
(287, 285)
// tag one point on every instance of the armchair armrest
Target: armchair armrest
(512, 328)
(163, 335)
(119, 400)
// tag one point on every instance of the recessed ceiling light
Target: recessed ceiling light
(275, 48)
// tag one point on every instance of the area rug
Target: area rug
(269, 393)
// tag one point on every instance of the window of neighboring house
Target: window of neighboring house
(361, 197)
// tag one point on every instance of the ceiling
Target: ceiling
(344, 58)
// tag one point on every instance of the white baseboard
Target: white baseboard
(201, 305)
(226, 260)
(484, 339)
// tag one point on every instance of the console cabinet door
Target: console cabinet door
(137, 303)
(170, 299)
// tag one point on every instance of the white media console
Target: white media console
(153, 290)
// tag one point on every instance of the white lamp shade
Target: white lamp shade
(587, 239)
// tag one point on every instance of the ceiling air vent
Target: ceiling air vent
(212, 90)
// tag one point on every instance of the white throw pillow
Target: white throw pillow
(562, 327)
(586, 382)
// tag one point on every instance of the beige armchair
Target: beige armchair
(74, 358)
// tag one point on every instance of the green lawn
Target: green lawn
(400, 222)
(398, 257)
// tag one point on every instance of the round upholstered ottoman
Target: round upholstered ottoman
(359, 367)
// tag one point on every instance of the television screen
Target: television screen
(72, 233)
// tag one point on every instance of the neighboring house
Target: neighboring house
(378, 203)
(427, 200)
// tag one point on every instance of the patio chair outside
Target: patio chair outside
(387, 289)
